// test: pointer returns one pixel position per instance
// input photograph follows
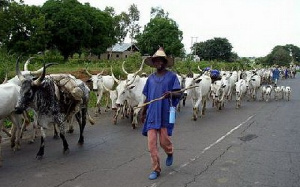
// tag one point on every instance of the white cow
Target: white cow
(9, 97)
(99, 81)
(132, 92)
(120, 108)
(233, 78)
(240, 90)
(254, 83)
(287, 92)
(277, 92)
(198, 94)
(219, 91)
(266, 92)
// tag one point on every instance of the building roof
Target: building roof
(121, 47)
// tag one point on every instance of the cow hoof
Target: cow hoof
(133, 126)
(55, 137)
(66, 151)
(80, 143)
(30, 141)
(39, 157)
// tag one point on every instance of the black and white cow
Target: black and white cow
(41, 95)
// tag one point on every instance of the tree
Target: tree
(214, 49)
(120, 23)
(280, 55)
(23, 28)
(134, 17)
(294, 52)
(75, 26)
(161, 31)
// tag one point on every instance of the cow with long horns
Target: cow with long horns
(101, 81)
(52, 105)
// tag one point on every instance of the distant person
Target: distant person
(155, 116)
(276, 74)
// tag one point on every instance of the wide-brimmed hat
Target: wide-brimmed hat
(159, 53)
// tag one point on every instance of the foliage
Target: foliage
(75, 26)
(282, 55)
(23, 29)
(214, 49)
(134, 17)
(161, 31)
(120, 23)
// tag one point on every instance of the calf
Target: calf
(266, 92)
(287, 92)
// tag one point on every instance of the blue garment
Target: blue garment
(158, 111)
(215, 73)
(276, 73)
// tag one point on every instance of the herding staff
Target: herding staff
(162, 97)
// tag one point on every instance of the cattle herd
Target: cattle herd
(57, 98)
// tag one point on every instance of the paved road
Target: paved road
(257, 145)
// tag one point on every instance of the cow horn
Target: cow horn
(26, 64)
(199, 69)
(141, 67)
(18, 72)
(87, 72)
(41, 78)
(5, 80)
(101, 73)
(112, 74)
(39, 71)
(124, 68)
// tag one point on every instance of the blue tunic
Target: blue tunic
(158, 111)
(276, 73)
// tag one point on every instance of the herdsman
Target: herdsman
(156, 115)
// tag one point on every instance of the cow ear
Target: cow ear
(131, 86)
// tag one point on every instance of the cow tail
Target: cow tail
(91, 120)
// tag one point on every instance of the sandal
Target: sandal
(154, 175)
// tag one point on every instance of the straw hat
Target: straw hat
(159, 53)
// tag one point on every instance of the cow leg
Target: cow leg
(115, 117)
(65, 143)
(81, 119)
(1, 126)
(203, 107)
(41, 151)
(195, 113)
(16, 131)
(107, 102)
(55, 132)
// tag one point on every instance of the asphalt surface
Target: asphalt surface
(256, 145)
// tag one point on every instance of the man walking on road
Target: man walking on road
(156, 115)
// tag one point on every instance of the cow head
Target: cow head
(95, 79)
(28, 88)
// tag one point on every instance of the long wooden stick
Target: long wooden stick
(162, 97)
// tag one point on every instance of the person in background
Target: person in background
(155, 115)
(276, 74)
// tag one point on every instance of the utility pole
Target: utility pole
(192, 42)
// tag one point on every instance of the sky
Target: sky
(253, 27)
